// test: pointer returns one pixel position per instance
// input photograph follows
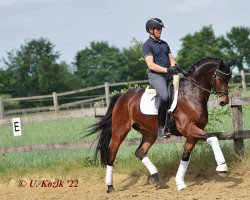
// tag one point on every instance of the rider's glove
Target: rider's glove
(174, 70)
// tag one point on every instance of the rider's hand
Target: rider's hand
(174, 70)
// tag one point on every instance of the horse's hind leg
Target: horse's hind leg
(148, 140)
(189, 145)
(118, 135)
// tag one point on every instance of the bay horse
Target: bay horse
(206, 76)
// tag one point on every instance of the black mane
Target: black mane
(200, 62)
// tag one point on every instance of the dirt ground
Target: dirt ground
(89, 184)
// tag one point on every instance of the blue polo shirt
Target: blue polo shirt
(159, 50)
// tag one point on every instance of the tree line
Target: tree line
(34, 69)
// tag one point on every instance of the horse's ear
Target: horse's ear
(220, 64)
(231, 63)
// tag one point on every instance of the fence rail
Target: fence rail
(54, 97)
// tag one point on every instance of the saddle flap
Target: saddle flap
(150, 100)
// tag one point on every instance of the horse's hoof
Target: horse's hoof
(110, 188)
(222, 168)
(223, 174)
(154, 179)
(181, 187)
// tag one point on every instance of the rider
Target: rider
(161, 66)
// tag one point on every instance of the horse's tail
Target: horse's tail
(105, 128)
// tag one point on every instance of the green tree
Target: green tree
(98, 64)
(33, 70)
(2, 82)
(199, 45)
(236, 44)
(134, 66)
(101, 63)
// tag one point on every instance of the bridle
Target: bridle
(218, 73)
(225, 77)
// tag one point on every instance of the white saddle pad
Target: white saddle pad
(147, 104)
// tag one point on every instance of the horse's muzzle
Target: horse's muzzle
(224, 101)
(223, 97)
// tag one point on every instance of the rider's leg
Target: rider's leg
(162, 111)
(159, 82)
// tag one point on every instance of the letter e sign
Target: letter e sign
(16, 123)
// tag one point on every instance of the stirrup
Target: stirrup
(167, 135)
(162, 133)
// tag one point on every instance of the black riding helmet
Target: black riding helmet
(154, 23)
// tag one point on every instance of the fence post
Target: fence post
(237, 120)
(1, 108)
(55, 101)
(243, 79)
(106, 84)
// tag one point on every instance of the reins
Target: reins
(193, 81)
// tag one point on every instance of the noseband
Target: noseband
(225, 77)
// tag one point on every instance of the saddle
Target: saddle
(150, 101)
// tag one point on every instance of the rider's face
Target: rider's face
(156, 32)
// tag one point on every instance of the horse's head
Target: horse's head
(221, 77)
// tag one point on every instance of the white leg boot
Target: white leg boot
(219, 157)
(181, 174)
(109, 178)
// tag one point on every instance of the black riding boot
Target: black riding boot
(162, 119)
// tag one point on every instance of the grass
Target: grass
(46, 132)
(165, 157)
(50, 132)
(56, 162)
(72, 129)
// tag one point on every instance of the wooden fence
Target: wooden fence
(54, 96)
(105, 98)
(238, 134)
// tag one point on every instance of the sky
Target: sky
(72, 24)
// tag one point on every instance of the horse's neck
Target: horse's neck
(203, 75)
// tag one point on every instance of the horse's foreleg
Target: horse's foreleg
(147, 141)
(189, 145)
(219, 157)
(193, 134)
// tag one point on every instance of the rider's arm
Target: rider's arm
(152, 66)
(171, 59)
